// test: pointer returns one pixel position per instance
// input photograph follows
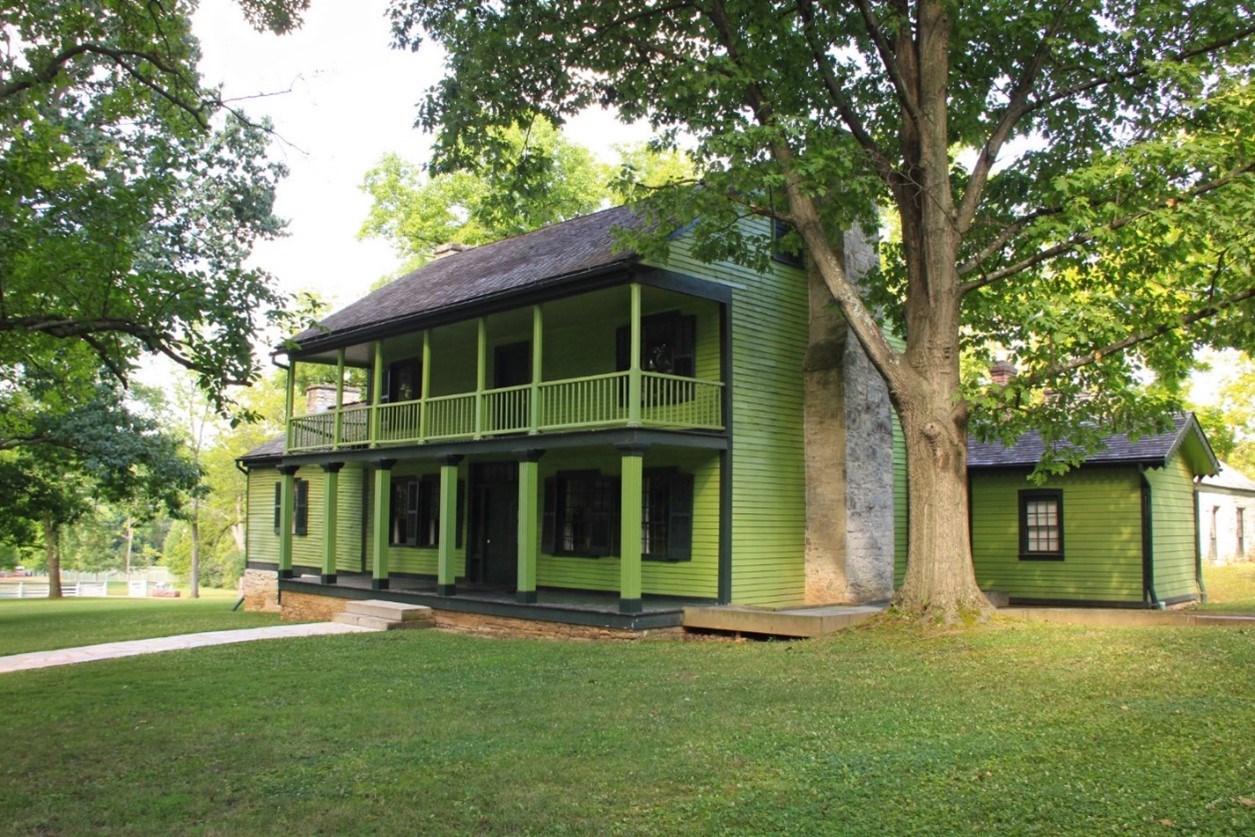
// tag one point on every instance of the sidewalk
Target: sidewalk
(113, 650)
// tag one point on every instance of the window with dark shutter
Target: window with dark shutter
(414, 516)
(668, 344)
(278, 505)
(666, 515)
(581, 515)
(300, 516)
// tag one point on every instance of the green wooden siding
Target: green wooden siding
(307, 550)
(697, 577)
(1173, 526)
(1102, 537)
(769, 332)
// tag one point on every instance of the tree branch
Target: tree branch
(1007, 233)
(872, 24)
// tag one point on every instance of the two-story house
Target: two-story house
(553, 428)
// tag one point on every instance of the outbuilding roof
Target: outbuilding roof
(1153, 450)
(1229, 479)
(554, 254)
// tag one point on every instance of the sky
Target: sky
(342, 98)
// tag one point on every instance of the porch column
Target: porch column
(481, 375)
(634, 361)
(331, 508)
(287, 509)
(445, 576)
(424, 387)
(529, 537)
(631, 482)
(338, 432)
(538, 338)
(383, 519)
(376, 391)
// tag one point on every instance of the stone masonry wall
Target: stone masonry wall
(260, 589)
(305, 607)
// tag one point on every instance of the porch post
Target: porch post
(424, 387)
(287, 509)
(481, 375)
(631, 482)
(383, 518)
(338, 432)
(331, 495)
(445, 577)
(376, 390)
(634, 361)
(538, 337)
(529, 537)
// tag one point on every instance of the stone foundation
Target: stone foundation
(260, 589)
(306, 607)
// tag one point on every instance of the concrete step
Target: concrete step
(395, 611)
(378, 623)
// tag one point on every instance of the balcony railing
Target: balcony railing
(594, 402)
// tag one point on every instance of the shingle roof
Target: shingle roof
(1118, 448)
(554, 253)
(272, 449)
(1230, 478)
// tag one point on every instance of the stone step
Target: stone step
(377, 623)
(395, 611)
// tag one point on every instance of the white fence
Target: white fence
(39, 590)
(80, 584)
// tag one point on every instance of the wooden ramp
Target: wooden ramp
(791, 622)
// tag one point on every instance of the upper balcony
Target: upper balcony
(625, 356)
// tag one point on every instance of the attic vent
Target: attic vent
(449, 249)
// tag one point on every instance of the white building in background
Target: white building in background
(1226, 516)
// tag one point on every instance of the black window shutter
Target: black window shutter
(458, 518)
(684, 361)
(622, 348)
(278, 505)
(549, 520)
(680, 521)
(302, 508)
(616, 519)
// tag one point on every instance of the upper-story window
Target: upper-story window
(403, 381)
(780, 249)
(668, 344)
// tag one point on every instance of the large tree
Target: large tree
(130, 194)
(1072, 183)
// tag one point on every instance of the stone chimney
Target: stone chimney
(450, 249)
(1001, 372)
(322, 397)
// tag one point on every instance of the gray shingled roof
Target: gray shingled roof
(272, 449)
(562, 251)
(1230, 478)
(1119, 449)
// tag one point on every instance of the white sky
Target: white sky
(352, 98)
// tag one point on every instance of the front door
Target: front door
(494, 524)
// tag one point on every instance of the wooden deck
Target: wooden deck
(790, 622)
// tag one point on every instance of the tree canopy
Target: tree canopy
(1072, 182)
(130, 194)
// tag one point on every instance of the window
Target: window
(668, 344)
(581, 514)
(666, 515)
(1041, 525)
(784, 251)
(403, 381)
(1241, 524)
(1213, 525)
(300, 506)
(415, 511)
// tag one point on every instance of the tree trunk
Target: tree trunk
(194, 581)
(238, 532)
(53, 559)
(130, 542)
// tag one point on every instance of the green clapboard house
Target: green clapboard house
(1119, 530)
(551, 427)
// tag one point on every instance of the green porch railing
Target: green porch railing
(596, 401)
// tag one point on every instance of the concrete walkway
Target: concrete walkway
(113, 650)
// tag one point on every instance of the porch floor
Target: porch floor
(578, 607)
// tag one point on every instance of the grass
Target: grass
(1010, 727)
(1230, 589)
(47, 624)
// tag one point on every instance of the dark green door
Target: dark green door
(495, 515)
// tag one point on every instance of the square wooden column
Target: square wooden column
(287, 511)
(529, 518)
(383, 520)
(331, 494)
(631, 486)
(446, 579)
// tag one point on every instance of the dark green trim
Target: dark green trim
(631, 606)
(1148, 544)
(261, 565)
(1082, 603)
(290, 573)
(328, 579)
(379, 584)
(1023, 498)
(446, 589)
(527, 596)
(289, 469)
(724, 583)
(332, 467)
(683, 283)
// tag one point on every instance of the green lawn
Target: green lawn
(44, 624)
(1230, 589)
(1011, 727)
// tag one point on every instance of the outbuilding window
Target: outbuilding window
(1041, 525)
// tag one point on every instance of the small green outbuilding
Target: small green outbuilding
(1119, 530)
